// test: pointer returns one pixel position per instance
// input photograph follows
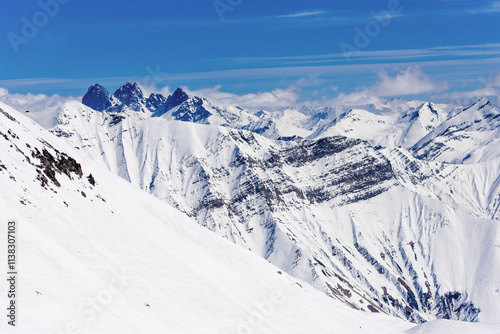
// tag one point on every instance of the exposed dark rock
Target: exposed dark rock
(454, 305)
(176, 99)
(6, 114)
(97, 98)
(410, 296)
(91, 179)
(154, 101)
(129, 93)
(192, 111)
(51, 165)
(116, 120)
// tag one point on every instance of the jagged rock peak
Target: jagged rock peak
(177, 98)
(154, 101)
(129, 93)
(97, 98)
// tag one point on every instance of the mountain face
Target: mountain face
(130, 95)
(362, 203)
(471, 136)
(177, 98)
(474, 187)
(100, 256)
(129, 99)
(154, 101)
(377, 229)
(97, 98)
(387, 128)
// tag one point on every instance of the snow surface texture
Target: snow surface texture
(101, 256)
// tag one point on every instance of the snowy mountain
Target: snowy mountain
(471, 136)
(97, 255)
(386, 127)
(97, 98)
(395, 123)
(338, 197)
(316, 208)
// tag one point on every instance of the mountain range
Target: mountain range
(389, 209)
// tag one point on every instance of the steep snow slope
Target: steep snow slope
(329, 211)
(96, 255)
(471, 136)
(475, 187)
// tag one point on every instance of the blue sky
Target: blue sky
(317, 50)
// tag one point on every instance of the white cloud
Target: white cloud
(488, 87)
(409, 81)
(275, 99)
(147, 90)
(33, 102)
(43, 108)
(352, 99)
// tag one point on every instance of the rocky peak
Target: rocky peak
(129, 94)
(193, 110)
(154, 101)
(177, 98)
(97, 98)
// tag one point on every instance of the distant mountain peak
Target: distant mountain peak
(154, 101)
(129, 93)
(97, 98)
(177, 98)
(179, 91)
(479, 104)
(483, 102)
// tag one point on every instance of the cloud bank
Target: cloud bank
(33, 102)
(408, 82)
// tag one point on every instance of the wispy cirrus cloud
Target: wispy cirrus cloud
(491, 8)
(483, 50)
(33, 81)
(304, 14)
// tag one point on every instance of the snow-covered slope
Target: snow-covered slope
(471, 136)
(475, 187)
(96, 255)
(389, 127)
(330, 211)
